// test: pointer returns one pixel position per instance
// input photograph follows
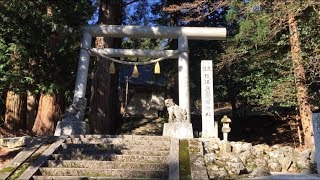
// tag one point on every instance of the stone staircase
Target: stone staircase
(111, 157)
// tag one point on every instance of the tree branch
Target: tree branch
(133, 1)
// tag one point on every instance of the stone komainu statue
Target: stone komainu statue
(176, 113)
(76, 110)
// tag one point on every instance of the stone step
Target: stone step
(127, 137)
(115, 173)
(115, 146)
(108, 165)
(92, 151)
(84, 178)
(112, 157)
(117, 141)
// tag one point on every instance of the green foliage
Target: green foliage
(38, 51)
(255, 27)
(310, 42)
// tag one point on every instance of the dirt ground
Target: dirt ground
(7, 154)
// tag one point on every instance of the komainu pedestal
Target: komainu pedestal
(178, 130)
(70, 127)
(72, 122)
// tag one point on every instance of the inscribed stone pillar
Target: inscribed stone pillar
(208, 124)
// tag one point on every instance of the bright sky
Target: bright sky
(129, 9)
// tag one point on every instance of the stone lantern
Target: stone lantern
(225, 127)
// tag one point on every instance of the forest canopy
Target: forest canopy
(269, 62)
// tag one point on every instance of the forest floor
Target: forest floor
(7, 154)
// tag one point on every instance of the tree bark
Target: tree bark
(49, 112)
(300, 79)
(32, 107)
(15, 110)
(101, 117)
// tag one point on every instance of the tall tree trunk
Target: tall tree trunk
(15, 110)
(32, 106)
(115, 115)
(101, 119)
(300, 79)
(100, 93)
(49, 112)
(49, 109)
(2, 107)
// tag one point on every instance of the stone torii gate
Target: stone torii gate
(183, 34)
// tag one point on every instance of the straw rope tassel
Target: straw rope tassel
(112, 69)
(135, 72)
(157, 68)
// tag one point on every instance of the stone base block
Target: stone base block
(178, 130)
(15, 141)
(67, 127)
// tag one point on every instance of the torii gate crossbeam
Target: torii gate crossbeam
(119, 31)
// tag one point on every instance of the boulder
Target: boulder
(216, 172)
(239, 147)
(274, 166)
(261, 161)
(225, 147)
(211, 146)
(260, 149)
(293, 168)
(259, 171)
(287, 149)
(209, 158)
(244, 156)
(236, 168)
(285, 162)
(276, 154)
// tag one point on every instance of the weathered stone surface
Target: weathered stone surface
(211, 146)
(197, 164)
(305, 155)
(276, 154)
(125, 157)
(260, 149)
(174, 159)
(260, 172)
(285, 163)
(303, 163)
(274, 166)
(178, 130)
(15, 141)
(236, 167)
(215, 172)
(210, 158)
(108, 165)
(242, 160)
(294, 168)
(287, 149)
(70, 127)
(260, 161)
(225, 147)
(102, 172)
(176, 113)
(244, 156)
(239, 147)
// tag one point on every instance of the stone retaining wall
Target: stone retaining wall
(243, 160)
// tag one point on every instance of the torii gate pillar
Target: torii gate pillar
(73, 124)
(183, 75)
